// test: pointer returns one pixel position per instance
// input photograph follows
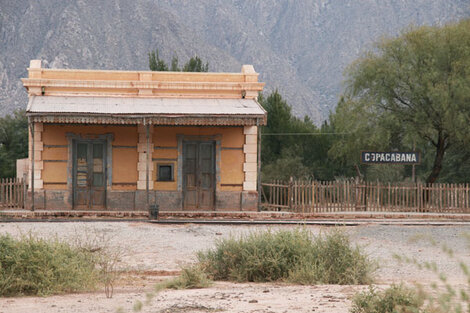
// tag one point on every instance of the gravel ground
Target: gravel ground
(156, 248)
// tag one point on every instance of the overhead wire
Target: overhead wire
(301, 134)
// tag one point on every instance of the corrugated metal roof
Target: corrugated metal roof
(143, 106)
(230, 120)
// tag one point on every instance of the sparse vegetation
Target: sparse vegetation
(294, 256)
(397, 298)
(191, 277)
(137, 306)
(31, 265)
(35, 266)
(288, 255)
(106, 255)
(440, 296)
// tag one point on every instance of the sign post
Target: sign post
(376, 157)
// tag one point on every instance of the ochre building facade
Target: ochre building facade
(125, 140)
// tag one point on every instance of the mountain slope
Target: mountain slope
(299, 47)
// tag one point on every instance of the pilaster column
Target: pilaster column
(250, 149)
(250, 77)
(144, 158)
(38, 162)
(35, 72)
(145, 90)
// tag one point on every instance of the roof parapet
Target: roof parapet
(150, 84)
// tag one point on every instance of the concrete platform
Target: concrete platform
(237, 217)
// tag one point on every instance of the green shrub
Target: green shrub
(290, 256)
(34, 266)
(190, 278)
(394, 299)
(272, 256)
(442, 295)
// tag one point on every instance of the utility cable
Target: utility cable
(301, 134)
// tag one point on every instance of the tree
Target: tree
(361, 126)
(174, 64)
(293, 147)
(155, 63)
(418, 82)
(194, 64)
(280, 121)
(13, 142)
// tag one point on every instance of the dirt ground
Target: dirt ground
(154, 251)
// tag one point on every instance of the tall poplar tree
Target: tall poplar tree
(194, 64)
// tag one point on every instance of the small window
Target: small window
(164, 172)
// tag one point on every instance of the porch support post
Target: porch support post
(259, 166)
(147, 168)
(32, 165)
(144, 166)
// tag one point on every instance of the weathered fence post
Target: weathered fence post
(25, 190)
(289, 193)
(12, 193)
(303, 196)
(313, 196)
(356, 187)
(361, 195)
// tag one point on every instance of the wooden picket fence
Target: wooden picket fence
(12, 193)
(344, 196)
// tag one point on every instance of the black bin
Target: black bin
(153, 214)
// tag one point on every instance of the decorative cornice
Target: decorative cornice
(107, 88)
(71, 82)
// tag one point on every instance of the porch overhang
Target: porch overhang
(156, 111)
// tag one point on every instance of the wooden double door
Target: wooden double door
(199, 175)
(89, 174)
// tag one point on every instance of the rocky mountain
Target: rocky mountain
(299, 47)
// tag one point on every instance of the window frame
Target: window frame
(172, 172)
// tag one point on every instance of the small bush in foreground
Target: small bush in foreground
(442, 295)
(106, 255)
(34, 266)
(190, 278)
(395, 299)
(295, 256)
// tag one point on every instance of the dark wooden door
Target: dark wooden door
(199, 175)
(89, 179)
